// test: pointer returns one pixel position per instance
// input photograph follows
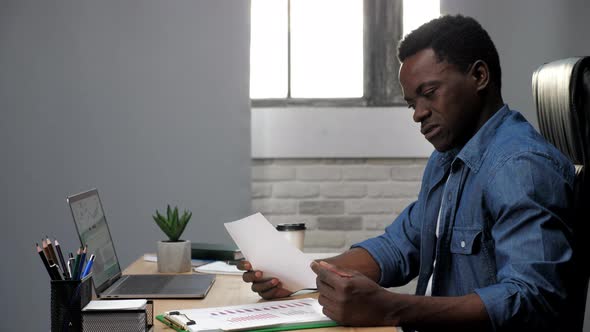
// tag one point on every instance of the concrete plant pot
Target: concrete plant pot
(174, 256)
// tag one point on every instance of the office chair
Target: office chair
(561, 90)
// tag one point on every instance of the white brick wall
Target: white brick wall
(342, 201)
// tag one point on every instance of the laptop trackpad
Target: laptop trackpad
(159, 286)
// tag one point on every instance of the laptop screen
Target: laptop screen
(94, 232)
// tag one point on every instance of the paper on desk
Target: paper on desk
(115, 305)
(219, 267)
(194, 262)
(268, 251)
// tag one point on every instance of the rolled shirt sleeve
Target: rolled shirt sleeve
(397, 251)
(529, 196)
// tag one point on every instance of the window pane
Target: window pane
(326, 48)
(268, 49)
(418, 12)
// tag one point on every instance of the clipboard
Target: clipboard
(270, 316)
(270, 329)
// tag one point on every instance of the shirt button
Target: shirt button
(449, 197)
(462, 244)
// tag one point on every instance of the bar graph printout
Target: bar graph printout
(305, 311)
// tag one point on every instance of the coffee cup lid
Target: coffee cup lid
(291, 227)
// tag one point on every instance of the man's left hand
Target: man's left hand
(350, 298)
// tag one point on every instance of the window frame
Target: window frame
(381, 33)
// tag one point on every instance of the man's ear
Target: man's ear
(480, 74)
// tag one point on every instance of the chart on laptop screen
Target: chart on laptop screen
(90, 221)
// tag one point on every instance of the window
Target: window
(329, 52)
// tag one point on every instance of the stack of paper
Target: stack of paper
(219, 268)
(115, 315)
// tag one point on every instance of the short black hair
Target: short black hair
(458, 40)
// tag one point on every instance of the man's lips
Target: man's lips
(430, 130)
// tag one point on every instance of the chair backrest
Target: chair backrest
(561, 90)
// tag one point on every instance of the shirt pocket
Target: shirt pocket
(471, 264)
(464, 240)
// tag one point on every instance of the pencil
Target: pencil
(44, 260)
(75, 267)
(45, 249)
(61, 260)
(52, 254)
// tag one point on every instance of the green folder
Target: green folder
(294, 326)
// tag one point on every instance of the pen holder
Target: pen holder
(68, 297)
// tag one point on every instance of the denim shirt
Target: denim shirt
(505, 227)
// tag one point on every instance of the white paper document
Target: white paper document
(219, 267)
(268, 251)
(115, 305)
(246, 317)
(194, 262)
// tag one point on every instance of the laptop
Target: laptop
(109, 282)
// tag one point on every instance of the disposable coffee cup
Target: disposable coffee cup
(294, 233)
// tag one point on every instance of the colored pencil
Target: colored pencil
(75, 267)
(44, 260)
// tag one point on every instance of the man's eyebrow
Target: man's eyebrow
(421, 87)
(424, 85)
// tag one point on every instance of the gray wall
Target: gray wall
(528, 33)
(146, 100)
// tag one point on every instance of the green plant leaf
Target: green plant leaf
(172, 225)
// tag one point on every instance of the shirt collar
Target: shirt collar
(472, 153)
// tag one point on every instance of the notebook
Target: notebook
(263, 316)
(109, 282)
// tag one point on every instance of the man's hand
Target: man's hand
(350, 298)
(267, 288)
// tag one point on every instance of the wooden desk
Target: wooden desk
(227, 290)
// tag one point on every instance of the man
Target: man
(489, 236)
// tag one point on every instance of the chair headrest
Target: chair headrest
(561, 90)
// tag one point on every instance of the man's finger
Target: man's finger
(327, 275)
(331, 314)
(252, 276)
(244, 266)
(263, 286)
(275, 292)
(324, 288)
(339, 271)
(326, 302)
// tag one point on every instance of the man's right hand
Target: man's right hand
(267, 288)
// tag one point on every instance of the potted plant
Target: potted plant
(174, 255)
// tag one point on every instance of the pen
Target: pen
(81, 262)
(88, 267)
(61, 260)
(70, 262)
(44, 260)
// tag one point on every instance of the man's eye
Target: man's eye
(411, 106)
(429, 93)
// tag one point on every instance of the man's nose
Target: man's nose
(420, 112)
